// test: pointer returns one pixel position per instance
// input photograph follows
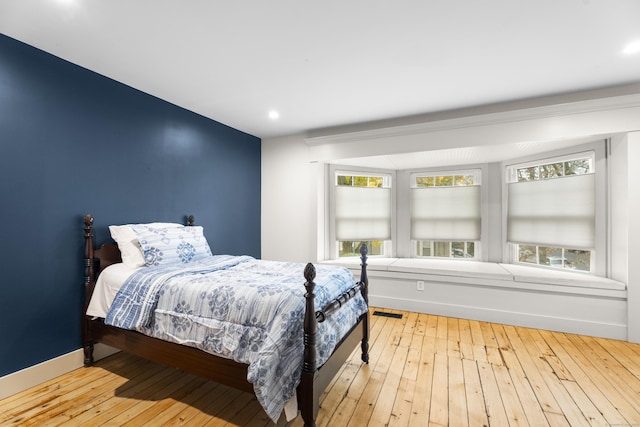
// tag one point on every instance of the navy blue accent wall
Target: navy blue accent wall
(74, 142)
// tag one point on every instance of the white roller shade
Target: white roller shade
(445, 213)
(362, 213)
(555, 212)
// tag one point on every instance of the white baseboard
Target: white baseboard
(37, 374)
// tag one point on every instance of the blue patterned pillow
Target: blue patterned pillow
(165, 246)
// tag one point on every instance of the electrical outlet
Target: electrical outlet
(420, 285)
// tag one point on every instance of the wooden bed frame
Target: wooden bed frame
(314, 378)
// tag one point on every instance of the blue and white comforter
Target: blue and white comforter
(248, 310)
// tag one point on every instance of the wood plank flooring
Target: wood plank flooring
(424, 370)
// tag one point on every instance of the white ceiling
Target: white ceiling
(335, 62)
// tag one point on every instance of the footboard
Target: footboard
(315, 379)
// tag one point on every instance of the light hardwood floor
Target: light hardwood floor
(424, 370)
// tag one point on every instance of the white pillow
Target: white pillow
(108, 284)
(128, 244)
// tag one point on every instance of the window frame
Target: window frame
(389, 178)
(600, 261)
(476, 172)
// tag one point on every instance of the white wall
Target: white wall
(289, 201)
(291, 188)
(633, 213)
(624, 191)
(618, 214)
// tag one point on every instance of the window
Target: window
(551, 211)
(445, 249)
(445, 214)
(362, 212)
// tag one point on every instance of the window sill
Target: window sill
(489, 273)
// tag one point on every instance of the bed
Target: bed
(259, 330)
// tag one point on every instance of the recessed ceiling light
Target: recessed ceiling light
(273, 115)
(633, 47)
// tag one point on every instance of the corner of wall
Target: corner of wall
(633, 211)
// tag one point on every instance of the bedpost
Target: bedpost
(365, 294)
(310, 323)
(309, 404)
(89, 284)
(88, 249)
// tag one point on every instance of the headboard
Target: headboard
(107, 254)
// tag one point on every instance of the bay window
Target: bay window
(547, 210)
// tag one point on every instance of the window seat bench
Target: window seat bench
(507, 275)
(520, 295)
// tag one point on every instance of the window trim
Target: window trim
(511, 169)
(477, 182)
(334, 170)
(476, 172)
(600, 262)
(405, 246)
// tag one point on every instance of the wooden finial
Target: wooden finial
(88, 221)
(363, 250)
(309, 272)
